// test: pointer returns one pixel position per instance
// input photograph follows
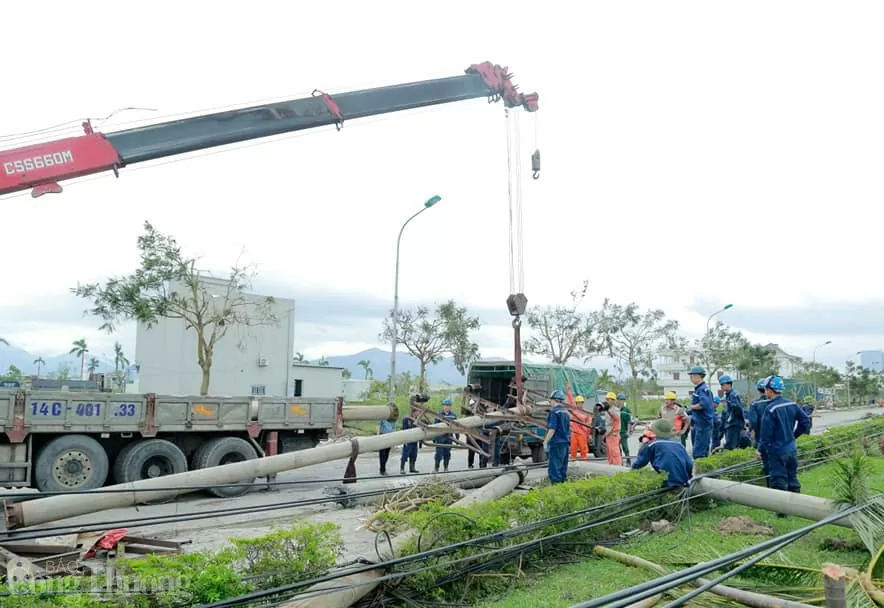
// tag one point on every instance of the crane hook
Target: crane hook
(535, 164)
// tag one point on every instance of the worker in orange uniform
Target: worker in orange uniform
(612, 433)
(579, 430)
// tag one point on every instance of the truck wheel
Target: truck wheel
(538, 454)
(71, 462)
(147, 459)
(225, 450)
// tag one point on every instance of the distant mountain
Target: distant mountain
(443, 372)
(24, 361)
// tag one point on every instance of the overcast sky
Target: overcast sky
(694, 154)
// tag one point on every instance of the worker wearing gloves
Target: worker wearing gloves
(409, 450)
(735, 414)
(703, 413)
(580, 423)
(666, 455)
(443, 452)
(783, 421)
(756, 410)
(557, 439)
(625, 424)
(612, 432)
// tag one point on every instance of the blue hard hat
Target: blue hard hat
(776, 384)
(761, 384)
(446, 402)
(557, 396)
(621, 397)
(716, 399)
(697, 369)
(725, 380)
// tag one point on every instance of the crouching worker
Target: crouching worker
(665, 453)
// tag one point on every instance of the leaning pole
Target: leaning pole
(53, 508)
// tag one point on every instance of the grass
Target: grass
(695, 539)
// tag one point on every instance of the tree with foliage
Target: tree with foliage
(562, 333)
(79, 350)
(365, 364)
(864, 383)
(717, 350)
(93, 365)
(298, 358)
(12, 373)
(818, 374)
(62, 372)
(755, 362)
(634, 338)
(39, 362)
(430, 335)
(120, 363)
(168, 285)
(346, 374)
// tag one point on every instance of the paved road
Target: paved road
(308, 483)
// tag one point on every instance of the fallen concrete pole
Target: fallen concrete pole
(369, 412)
(813, 508)
(54, 508)
(362, 583)
(350, 494)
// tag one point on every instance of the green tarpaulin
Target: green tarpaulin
(582, 381)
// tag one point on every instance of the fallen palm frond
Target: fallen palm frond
(389, 516)
(853, 476)
(747, 598)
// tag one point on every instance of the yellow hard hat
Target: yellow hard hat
(611, 396)
(579, 399)
(670, 396)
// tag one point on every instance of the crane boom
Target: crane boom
(42, 166)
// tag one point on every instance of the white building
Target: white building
(671, 369)
(788, 365)
(253, 360)
(319, 381)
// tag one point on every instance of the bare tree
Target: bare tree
(168, 285)
(562, 333)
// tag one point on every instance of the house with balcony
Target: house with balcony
(671, 369)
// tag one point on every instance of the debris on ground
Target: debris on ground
(743, 524)
(843, 544)
(408, 500)
(662, 526)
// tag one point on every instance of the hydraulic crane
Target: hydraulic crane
(41, 167)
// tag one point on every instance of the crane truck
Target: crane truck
(66, 441)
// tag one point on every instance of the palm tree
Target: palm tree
(120, 362)
(366, 365)
(79, 350)
(93, 366)
(604, 380)
(39, 362)
(299, 357)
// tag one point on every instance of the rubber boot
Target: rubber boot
(402, 470)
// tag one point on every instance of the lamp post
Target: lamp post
(826, 343)
(395, 317)
(717, 312)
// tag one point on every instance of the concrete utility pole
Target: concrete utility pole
(53, 508)
(395, 320)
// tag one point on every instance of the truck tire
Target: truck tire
(538, 454)
(147, 459)
(225, 450)
(71, 462)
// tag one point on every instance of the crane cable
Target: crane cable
(514, 192)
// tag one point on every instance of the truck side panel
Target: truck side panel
(83, 412)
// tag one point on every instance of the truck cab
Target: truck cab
(494, 378)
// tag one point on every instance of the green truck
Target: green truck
(494, 378)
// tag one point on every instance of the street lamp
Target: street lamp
(717, 312)
(395, 320)
(826, 343)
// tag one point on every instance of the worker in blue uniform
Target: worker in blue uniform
(557, 441)
(756, 409)
(808, 407)
(703, 413)
(666, 454)
(734, 420)
(783, 421)
(443, 447)
(409, 450)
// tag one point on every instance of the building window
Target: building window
(676, 375)
(259, 389)
(299, 388)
